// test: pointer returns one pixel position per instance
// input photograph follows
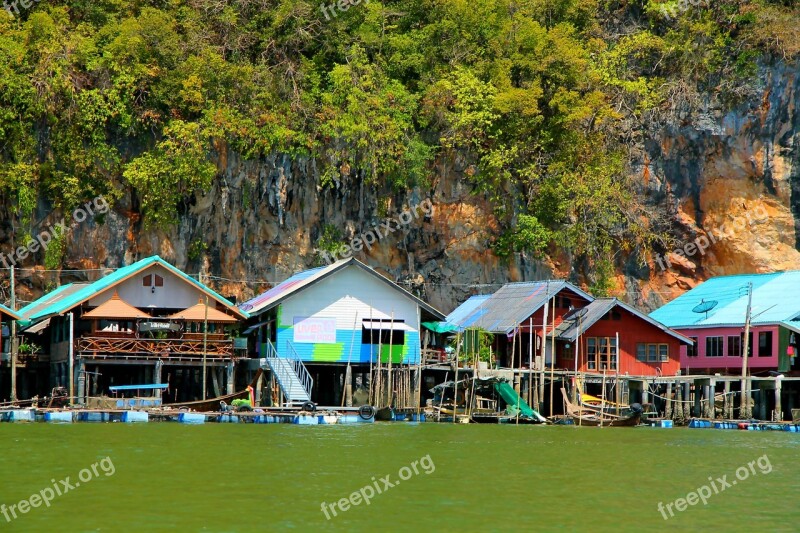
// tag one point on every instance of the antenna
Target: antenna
(704, 307)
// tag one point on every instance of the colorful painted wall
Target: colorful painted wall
(730, 364)
(324, 322)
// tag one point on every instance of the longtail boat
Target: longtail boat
(590, 416)
(213, 404)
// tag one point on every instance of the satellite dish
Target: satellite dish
(704, 307)
(576, 314)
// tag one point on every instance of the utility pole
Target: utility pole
(745, 395)
(14, 347)
(205, 346)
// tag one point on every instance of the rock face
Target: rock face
(730, 183)
(727, 180)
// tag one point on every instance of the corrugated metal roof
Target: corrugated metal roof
(65, 298)
(568, 330)
(513, 303)
(274, 296)
(51, 298)
(11, 314)
(465, 314)
(774, 300)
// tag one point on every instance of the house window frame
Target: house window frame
(720, 351)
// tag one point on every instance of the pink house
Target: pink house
(713, 315)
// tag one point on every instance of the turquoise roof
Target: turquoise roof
(773, 301)
(9, 312)
(66, 297)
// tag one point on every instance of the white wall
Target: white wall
(176, 293)
(347, 296)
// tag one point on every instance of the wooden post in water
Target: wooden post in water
(668, 406)
(679, 400)
(726, 402)
(778, 413)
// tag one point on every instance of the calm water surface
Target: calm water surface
(241, 478)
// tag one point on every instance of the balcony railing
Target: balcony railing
(126, 347)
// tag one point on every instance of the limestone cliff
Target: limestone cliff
(730, 177)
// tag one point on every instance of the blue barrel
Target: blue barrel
(19, 415)
(228, 419)
(64, 417)
(306, 420)
(192, 418)
(135, 417)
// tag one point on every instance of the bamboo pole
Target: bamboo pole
(455, 384)
(552, 355)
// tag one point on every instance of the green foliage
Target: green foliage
(54, 255)
(197, 248)
(527, 96)
(167, 174)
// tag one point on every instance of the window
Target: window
(713, 346)
(663, 353)
(601, 353)
(616, 315)
(591, 353)
(691, 351)
(563, 302)
(385, 335)
(765, 344)
(152, 280)
(734, 346)
(652, 352)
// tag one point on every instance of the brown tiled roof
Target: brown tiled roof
(115, 308)
(197, 313)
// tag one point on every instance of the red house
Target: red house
(614, 337)
(608, 334)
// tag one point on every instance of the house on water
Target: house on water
(310, 328)
(555, 325)
(713, 315)
(140, 324)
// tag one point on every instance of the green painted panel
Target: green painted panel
(328, 353)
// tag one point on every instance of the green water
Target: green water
(241, 478)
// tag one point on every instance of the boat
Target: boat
(214, 404)
(590, 416)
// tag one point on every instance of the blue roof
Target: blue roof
(511, 304)
(468, 312)
(773, 301)
(65, 298)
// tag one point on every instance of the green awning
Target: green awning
(440, 327)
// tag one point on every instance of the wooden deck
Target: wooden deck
(126, 347)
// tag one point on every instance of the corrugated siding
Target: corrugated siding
(347, 296)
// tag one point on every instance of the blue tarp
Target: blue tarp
(120, 388)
